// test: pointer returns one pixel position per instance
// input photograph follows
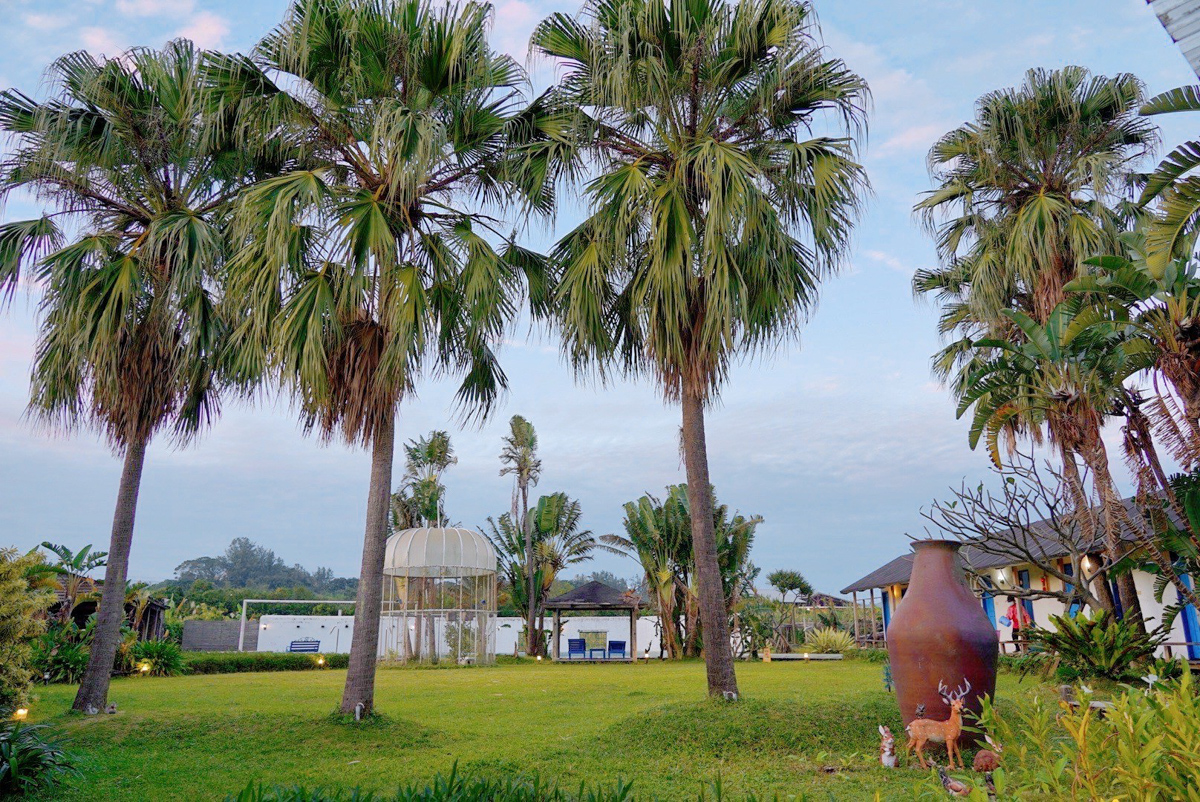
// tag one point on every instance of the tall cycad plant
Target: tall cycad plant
(714, 212)
(375, 265)
(520, 459)
(124, 155)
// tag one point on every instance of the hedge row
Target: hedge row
(241, 662)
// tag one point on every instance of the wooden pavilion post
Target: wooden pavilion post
(873, 627)
(854, 601)
(633, 644)
(555, 634)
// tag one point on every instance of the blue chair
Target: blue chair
(309, 645)
(576, 646)
(616, 647)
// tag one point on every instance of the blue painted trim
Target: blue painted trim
(1191, 626)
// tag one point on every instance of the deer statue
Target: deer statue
(925, 730)
(887, 747)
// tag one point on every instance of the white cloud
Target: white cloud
(916, 137)
(101, 42)
(514, 22)
(889, 261)
(46, 22)
(206, 29)
(148, 8)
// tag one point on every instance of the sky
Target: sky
(837, 441)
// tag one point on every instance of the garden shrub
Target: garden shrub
(828, 641)
(29, 761)
(164, 658)
(21, 621)
(453, 788)
(1147, 746)
(1096, 646)
(241, 662)
(870, 655)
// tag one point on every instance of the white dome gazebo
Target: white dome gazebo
(439, 597)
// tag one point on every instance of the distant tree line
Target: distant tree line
(247, 565)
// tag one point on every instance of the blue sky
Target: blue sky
(838, 441)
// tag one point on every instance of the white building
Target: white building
(999, 573)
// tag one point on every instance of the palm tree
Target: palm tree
(714, 211)
(426, 459)
(1171, 234)
(130, 333)
(658, 534)
(1066, 375)
(558, 543)
(1029, 191)
(1026, 194)
(375, 265)
(520, 459)
(74, 570)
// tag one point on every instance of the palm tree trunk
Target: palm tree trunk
(1096, 458)
(364, 646)
(1083, 519)
(532, 642)
(718, 654)
(93, 689)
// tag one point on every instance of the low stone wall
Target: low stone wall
(218, 636)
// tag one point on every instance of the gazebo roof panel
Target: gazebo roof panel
(594, 596)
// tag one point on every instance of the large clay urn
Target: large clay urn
(939, 633)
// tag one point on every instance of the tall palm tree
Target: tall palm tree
(714, 211)
(375, 265)
(1026, 193)
(125, 153)
(426, 459)
(1031, 189)
(519, 457)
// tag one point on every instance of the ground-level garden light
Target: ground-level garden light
(20, 714)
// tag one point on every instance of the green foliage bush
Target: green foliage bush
(1146, 747)
(1096, 646)
(21, 606)
(29, 761)
(828, 641)
(241, 662)
(870, 655)
(164, 658)
(453, 788)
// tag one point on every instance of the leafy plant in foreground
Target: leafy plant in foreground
(1146, 746)
(29, 762)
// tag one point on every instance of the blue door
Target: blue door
(1191, 626)
(1069, 570)
(989, 603)
(887, 611)
(1023, 580)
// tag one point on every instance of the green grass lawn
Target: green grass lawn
(802, 729)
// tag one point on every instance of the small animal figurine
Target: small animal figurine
(924, 730)
(920, 712)
(887, 747)
(953, 787)
(987, 760)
